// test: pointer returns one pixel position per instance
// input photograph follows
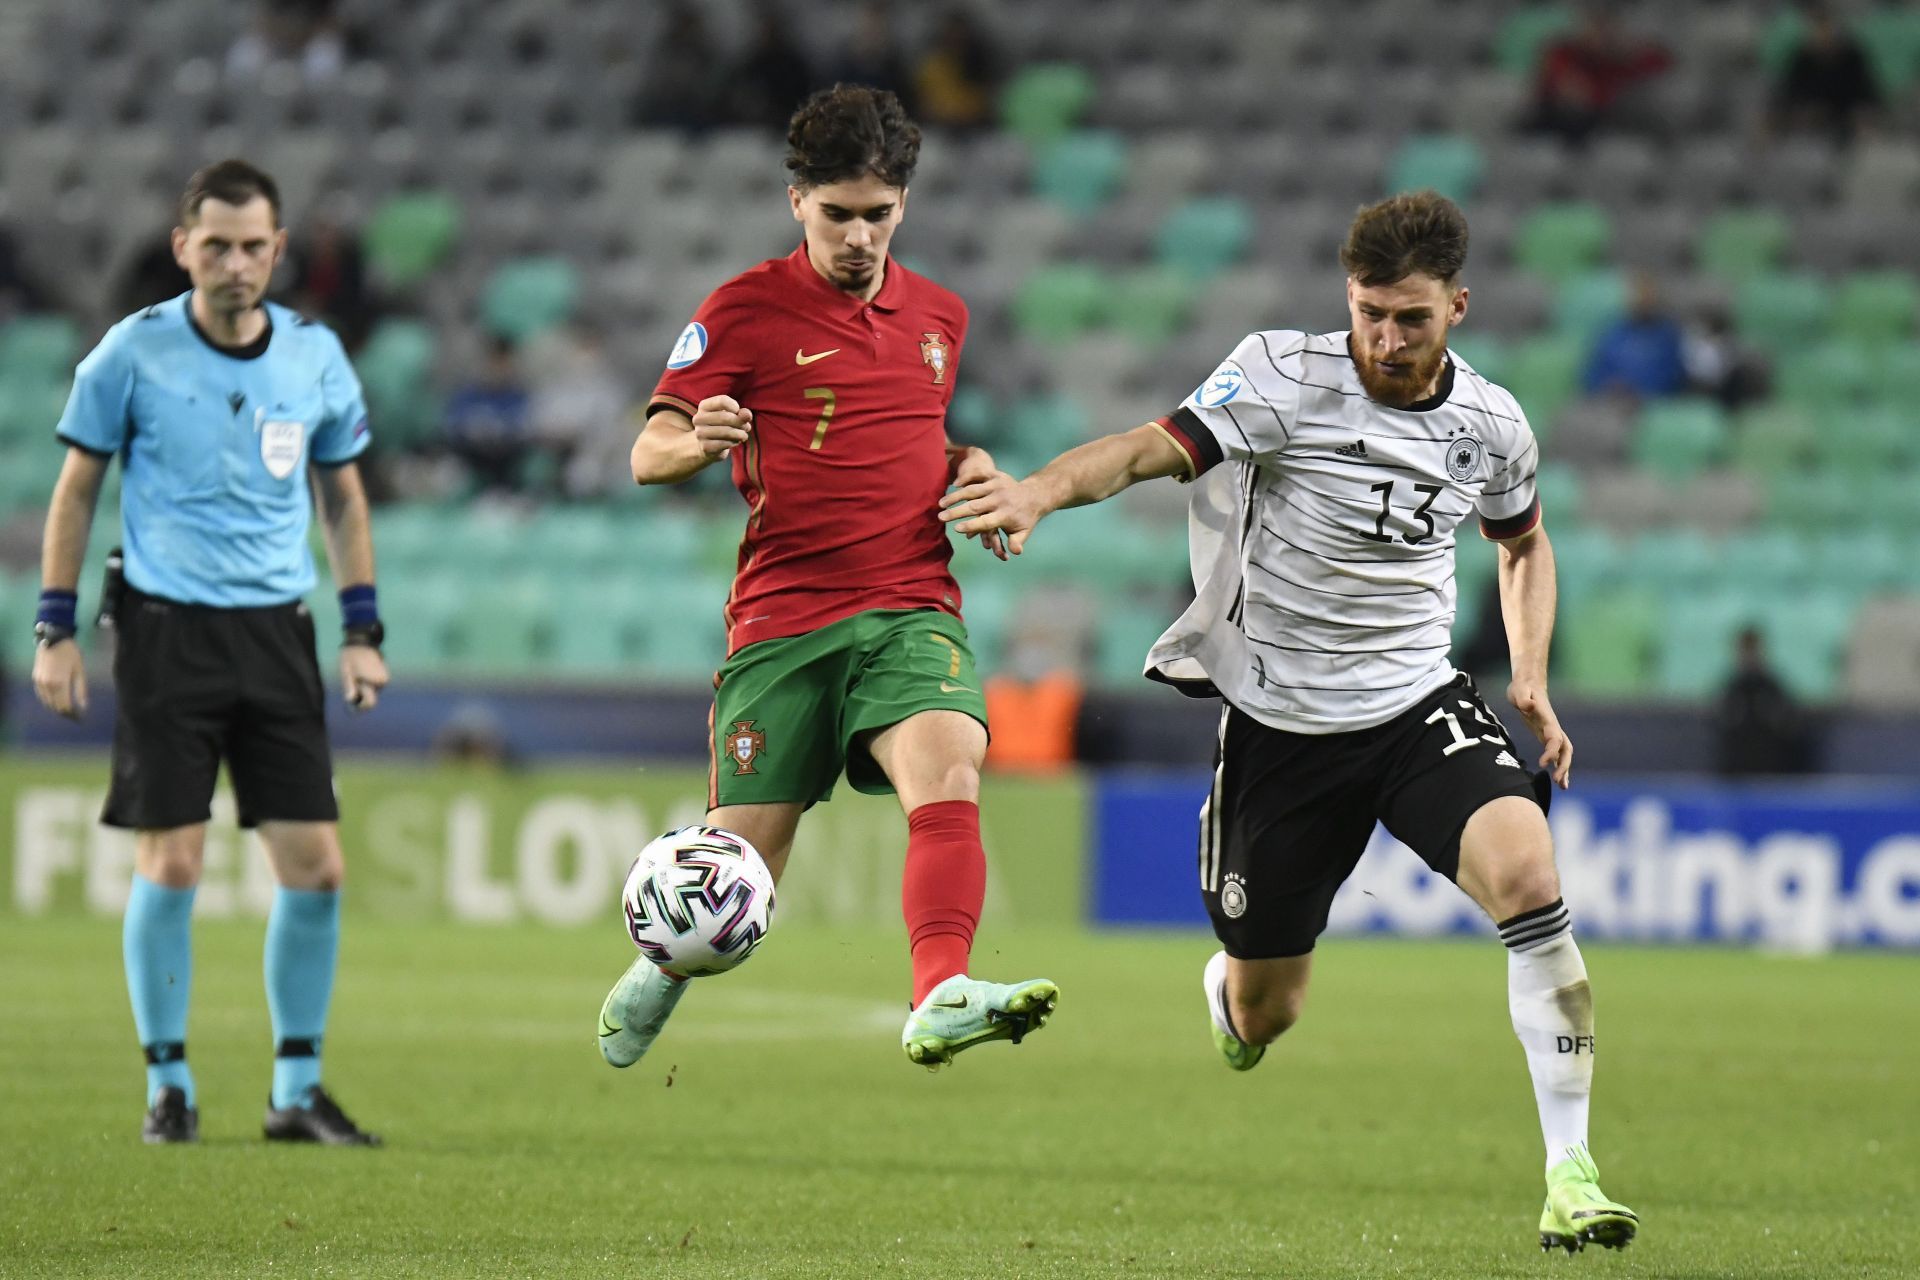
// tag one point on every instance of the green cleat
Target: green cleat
(1578, 1213)
(962, 1012)
(635, 1010)
(1240, 1055)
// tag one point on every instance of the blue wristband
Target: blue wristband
(359, 607)
(58, 608)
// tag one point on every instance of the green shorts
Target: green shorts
(786, 711)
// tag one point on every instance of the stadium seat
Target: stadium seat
(1806, 635)
(1543, 374)
(1448, 163)
(1883, 660)
(1078, 171)
(1782, 311)
(1152, 306)
(1559, 489)
(1812, 500)
(1876, 308)
(1484, 353)
(1890, 36)
(396, 368)
(1895, 372)
(1058, 303)
(1742, 243)
(41, 348)
(529, 296)
(1526, 32)
(1588, 303)
(1679, 438)
(1765, 561)
(1045, 100)
(1606, 646)
(409, 235)
(1205, 236)
(1824, 377)
(1562, 240)
(1696, 645)
(1774, 439)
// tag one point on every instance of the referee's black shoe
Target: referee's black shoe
(316, 1118)
(170, 1119)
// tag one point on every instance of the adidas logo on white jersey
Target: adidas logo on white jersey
(1358, 449)
(1506, 758)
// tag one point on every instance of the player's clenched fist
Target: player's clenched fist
(60, 679)
(719, 424)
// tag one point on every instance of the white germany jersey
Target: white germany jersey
(1321, 531)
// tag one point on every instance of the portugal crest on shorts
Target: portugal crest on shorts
(744, 745)
(1463, 457)
(934, 352)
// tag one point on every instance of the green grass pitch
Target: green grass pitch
(1761, 1113)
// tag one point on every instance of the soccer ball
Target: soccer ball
(698, 901)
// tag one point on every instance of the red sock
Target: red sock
(940, 895)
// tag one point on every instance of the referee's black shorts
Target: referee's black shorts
(1291, 813)
(197, 685)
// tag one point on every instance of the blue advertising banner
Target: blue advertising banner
(1804, 865)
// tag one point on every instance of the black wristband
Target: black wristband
(370, 635)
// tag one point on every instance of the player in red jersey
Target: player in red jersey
(824, 379)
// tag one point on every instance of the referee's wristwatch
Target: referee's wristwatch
(49, 634)
(370, 635)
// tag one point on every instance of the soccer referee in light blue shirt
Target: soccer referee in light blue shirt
(220, 406)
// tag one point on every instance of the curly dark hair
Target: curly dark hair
(1419, 231)
(850, 131)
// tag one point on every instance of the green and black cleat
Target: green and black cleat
(1578, 1213)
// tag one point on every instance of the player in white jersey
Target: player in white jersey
(1332, 471)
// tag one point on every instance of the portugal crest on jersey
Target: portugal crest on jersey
(934, 352)
(744, 744)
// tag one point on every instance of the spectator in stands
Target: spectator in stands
(1759, 727)
(473, 737)
(679, 89)
(1035, 694)
(1719, 365)
(1828, 86)
(873, 58)
(582, 413)
(773, 75)
(1640, 355)
(303, 32)
(330, 280)
(486, 420)
(1587, 79)
(151, 277)
(957, 75)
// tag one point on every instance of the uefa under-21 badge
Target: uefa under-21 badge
(281, 443)
(692, 344)
(744, 744)
(934, 352)
(1463, 457)
(1223, 386)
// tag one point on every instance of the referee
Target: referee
(217, 404)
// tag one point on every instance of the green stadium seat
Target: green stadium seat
(396, 367)
(1781, 38)
(1860, 560)
(27, 473)
(1806, 638)
(1765, 560)
(1896, 372)
(1525, 34)
(685, 630)
(972, 416)
(1558, 241)
(1886, 498)
(1876, 308)
(1485, 354)
(1696, 646)
(529, 296)
(1079, 171)
(1543, 373)
(1774, 439)
(1153, 305)
(1825, 377)
(1679, 438)
(1890, 35)
(1669, 561)
(1129, 625)
(1738, 244)
(1044, 100)
(1783, 311)
(1205, 236)
(41, 348)
(1560, 491)
(29, 411)
(1589, 302)
(1586, 557)
(1448, 163)
(1058, 303)
(1866, 442)
(1606, 647)
(1812, 500)
(410, 235)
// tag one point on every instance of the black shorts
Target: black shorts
(197, 685)
(1291, 813)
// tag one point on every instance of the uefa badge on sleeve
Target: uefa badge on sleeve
(689, 347)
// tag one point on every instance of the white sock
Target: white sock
(1552, 1008)
(1214, 981)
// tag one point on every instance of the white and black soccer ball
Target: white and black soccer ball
(698, 901)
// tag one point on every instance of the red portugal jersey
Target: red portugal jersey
(846, 460)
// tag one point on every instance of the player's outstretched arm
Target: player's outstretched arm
(1091, 473)
(673, 446)
(59, 673)
(1527, 596)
